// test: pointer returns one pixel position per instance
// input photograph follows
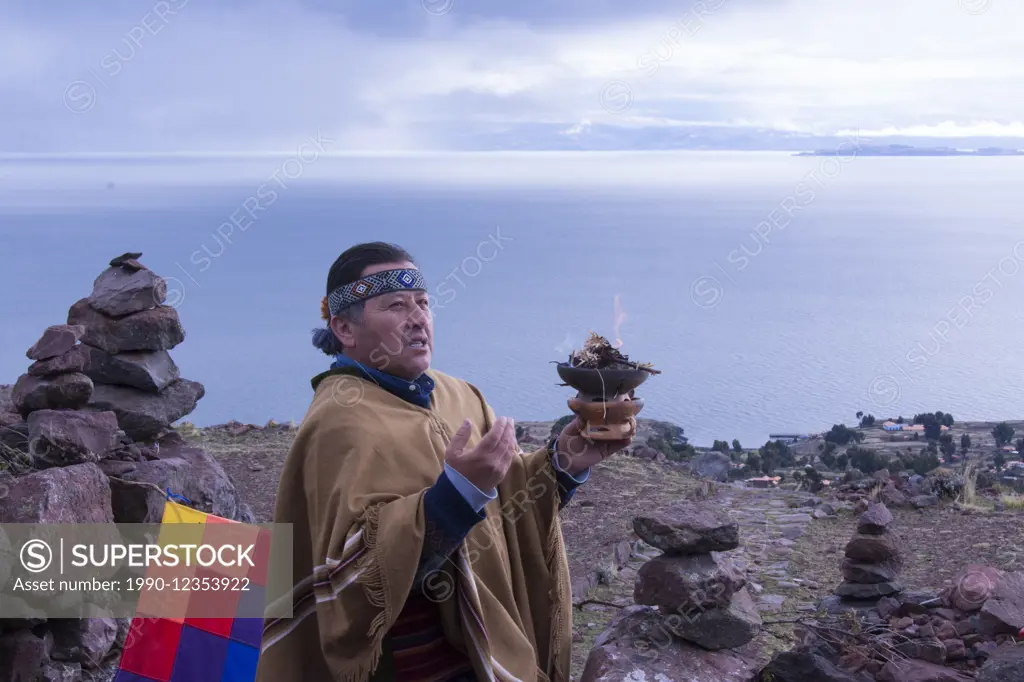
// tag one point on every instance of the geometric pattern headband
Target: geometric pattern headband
(372, 285)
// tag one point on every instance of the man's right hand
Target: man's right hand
(485, 464)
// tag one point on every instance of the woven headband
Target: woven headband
(376, 284)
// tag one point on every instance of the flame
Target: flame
(620, 317)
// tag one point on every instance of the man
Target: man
(427, 544)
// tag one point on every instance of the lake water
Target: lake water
(775, 293)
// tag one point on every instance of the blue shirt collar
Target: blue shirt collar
(416, 392)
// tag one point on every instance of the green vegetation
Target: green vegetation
(736, 445)
(1003, 433)
(943, 418)
(923, 463)
(965, 443)
(840, 434)
(775, 454)
(866, 459)
(720, 446)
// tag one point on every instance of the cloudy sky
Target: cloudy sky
(226, 75)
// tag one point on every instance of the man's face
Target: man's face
(395, 333)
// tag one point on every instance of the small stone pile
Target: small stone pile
(965, 632)
(873, 558)
(699, 590)
(694, 618)
(86, 438)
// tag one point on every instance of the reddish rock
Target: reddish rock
(857, 572)
(64, 391)
(867, 590)
(55, 341)
(803, 665)
(1006, 664)
(955, 649)
(887, 607)
(120, 291)
(875, 519)
(63, 437)
(85, 640)
(919, 671)
(873, 549)
(1003, 613)
(24, 655)
(718, 628)
(152, 330)
(684, 584)
(74, 494)
(143, 416)
(931, 650)
(636, 646)
(150, 371)
(893, 497)
(946, 630)
(75, 360)
(689, 528)
(188, 471)
(973, 586)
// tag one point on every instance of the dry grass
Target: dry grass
(1013, 501)
(968, 498)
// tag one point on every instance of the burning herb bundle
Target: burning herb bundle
(598, 353)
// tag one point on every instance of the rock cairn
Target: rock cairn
(86, 438)
(873, 558)
(698, 589)
(694, 617)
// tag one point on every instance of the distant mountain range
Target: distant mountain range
(603, 137)
(908, 150)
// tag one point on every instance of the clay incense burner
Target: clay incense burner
(605, 381)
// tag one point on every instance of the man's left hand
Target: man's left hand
(576, 453)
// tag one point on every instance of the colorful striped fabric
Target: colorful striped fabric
(419, 648)
(186, 635)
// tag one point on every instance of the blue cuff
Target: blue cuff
(476, 498)
(448, 516)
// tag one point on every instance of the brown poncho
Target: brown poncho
(353, 487)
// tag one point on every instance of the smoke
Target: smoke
(620, 317)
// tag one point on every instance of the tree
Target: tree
(842, 461)
(924, 462)
(829, 459)
(754, 463)
(947, 445)
(775, 454)
(840, 434)
(860, 415)
(814, 480)
(736, 445)
(1003, 433)
(868, 420)
(1020, 445)
(999, 460)
(866, 459)
(720, 446)
(899, 419)
(965, 443)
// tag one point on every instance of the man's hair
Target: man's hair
(347, 268)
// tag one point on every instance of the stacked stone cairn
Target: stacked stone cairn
(698, 589)
(86, 437)
(873, 558)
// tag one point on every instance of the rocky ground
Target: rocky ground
(791, 543)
